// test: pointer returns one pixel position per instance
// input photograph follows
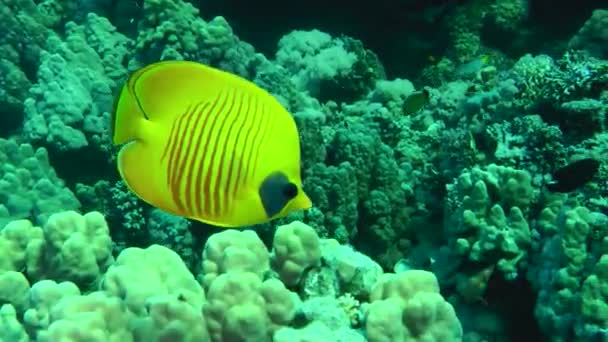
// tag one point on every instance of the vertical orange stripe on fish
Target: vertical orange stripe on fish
(251, 143)
(218, 163)
(213, 130)
(226, 162)
(260, 138)
(201, 194)
(205, 160)
(194, 156)
(174, 157)
(236, 162)
(186, 159)
(170, 140)
(172, 143)
(182, 158)
(199, 159)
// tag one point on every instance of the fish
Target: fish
(208, 145)
(415, 101)
(474, 66)
(573, 175)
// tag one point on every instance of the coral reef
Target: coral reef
(431, 225)
(149, 294)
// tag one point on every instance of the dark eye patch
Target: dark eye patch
(276, 191)
(290, 190)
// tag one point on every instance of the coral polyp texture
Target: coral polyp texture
(149, 294)
(454, 154)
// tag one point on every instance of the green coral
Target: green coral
(22, 37)
(365, 71)
(509, 15)
(574, 76)
(488, 228)
(173, 29)
(474, 16)
(595, 297)
(29, 186)
(570, 289)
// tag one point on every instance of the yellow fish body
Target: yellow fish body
(207, 145)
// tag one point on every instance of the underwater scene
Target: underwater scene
(317, 171)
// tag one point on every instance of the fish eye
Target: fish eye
(290, 190)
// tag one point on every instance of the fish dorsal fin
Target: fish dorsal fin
(165, 89)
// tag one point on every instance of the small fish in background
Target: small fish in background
(574, 175)
(473, 67)
(415, 101)
(473, 287)
(208, 145)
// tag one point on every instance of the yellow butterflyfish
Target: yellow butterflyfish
(208, 145)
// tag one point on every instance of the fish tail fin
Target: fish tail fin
(126, 118)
